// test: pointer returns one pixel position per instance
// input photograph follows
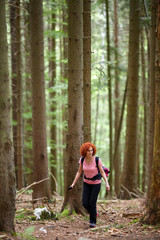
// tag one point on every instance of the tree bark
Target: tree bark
(64, 77)
(40, 160)
(117, 159)
(153, 207)
(151, 110)
(7, 170)
(87, 70)
(14, 78)
(28, 155)
(53, 105)
(144, 178)
(109, 95)
(20, 167)
(129, 168)
(75, 103)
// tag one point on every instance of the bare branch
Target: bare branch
(25, 189)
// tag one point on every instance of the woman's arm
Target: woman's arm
(78, 174)
(104, 177)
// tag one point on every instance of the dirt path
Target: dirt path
(117, 219)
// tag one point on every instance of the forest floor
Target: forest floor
(117, 219)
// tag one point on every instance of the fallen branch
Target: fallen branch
(132, 214)
(98, 228)
(93, 229)
(101, 206)
(139, 192)
(126, 190)
(54, 181)
(3, 236)
(25, 189)
(135, 195)
(44, 201)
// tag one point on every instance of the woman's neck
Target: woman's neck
(89, 158)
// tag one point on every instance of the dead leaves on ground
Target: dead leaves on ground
(117, 218)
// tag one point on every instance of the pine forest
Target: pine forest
(72, 72)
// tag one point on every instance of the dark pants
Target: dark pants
(89, 199)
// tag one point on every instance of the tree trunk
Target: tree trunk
(14, 78)
(7, 170)
(75, 103)
(87, 70)
(117, 159)
(28, 155)
(20, 180)
(129, 168)
(38, 101)
(151, 110)
(145, 113)
(153, 207)
(64, 77)
(53, 106)
(109, 95)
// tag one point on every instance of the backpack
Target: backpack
(98, 176)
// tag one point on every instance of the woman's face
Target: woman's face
(89, 152)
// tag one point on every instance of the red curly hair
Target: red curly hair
(85, 146)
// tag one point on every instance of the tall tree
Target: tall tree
(117, 163)
(64, 79)
(145, 112)
(38, 101)
(14, 78)
(7, 171)
(17, 90)
(20, 180)
(130, 158)
(109, 91)
(153, 207)
(53, 106)
(151, 109)
(87, 70)
(27, 109)
(75, 102)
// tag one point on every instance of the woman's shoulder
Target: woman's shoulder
(81, 160)
(99, 160)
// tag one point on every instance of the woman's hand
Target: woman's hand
(71, 187)
(104, 177)
(107, 187)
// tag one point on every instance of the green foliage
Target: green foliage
(66, 213)
(29, 215)
(27, 170)
(134, 221)
(14, 122)
(27, 115)
(24, 214)
(47, 215)
(28, 234)
(119, 226)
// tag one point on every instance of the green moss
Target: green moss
(47, 215)
(29, 215)
(66, 213)
(28, 234)
(134, 221)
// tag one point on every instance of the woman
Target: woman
(91, 188)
